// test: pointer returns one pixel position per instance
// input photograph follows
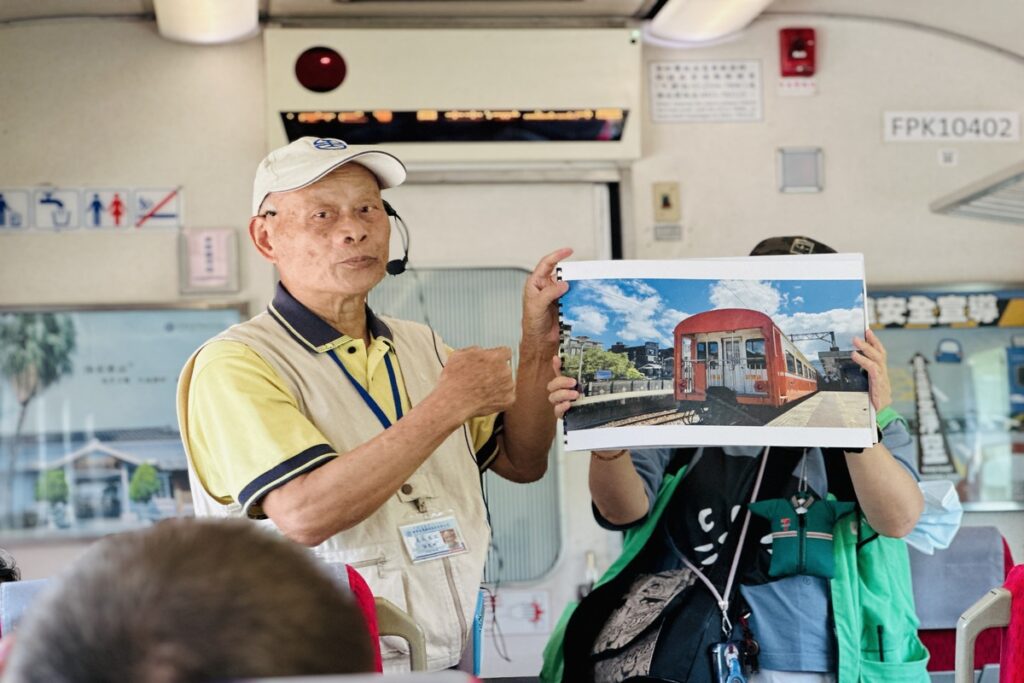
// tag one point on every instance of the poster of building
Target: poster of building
(89, 440)
(743, 351)
(956, 362)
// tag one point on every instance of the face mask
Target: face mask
(940, 520)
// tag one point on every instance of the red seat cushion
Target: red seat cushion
(364, 598)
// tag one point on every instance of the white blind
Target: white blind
(482, 307)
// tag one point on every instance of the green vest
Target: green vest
(636, 539)
(870, 589)
(873, 605)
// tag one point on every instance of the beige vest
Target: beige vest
(440, 595)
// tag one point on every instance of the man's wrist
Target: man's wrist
(539, 343)
(536, 353)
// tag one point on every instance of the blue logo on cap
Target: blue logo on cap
(329, 143)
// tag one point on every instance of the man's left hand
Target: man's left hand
(542, 290)
(871, 356)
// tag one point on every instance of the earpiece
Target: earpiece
(397, 266)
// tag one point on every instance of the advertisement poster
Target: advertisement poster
(89, 440)
(956, 361)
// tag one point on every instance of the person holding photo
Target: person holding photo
(690, 532)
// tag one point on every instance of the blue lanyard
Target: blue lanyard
(367, 399)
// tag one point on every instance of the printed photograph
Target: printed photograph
(768, 358)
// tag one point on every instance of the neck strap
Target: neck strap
(723, 598)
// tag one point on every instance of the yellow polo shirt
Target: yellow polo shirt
(247, 433)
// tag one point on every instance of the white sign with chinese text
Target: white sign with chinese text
(706, 91)
(921, 310)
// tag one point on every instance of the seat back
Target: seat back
(1011, 669)
(1000, 607)
(977, 559)
(363, 596)
(392, 621)
(960, 574)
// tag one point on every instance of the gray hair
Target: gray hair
(186, 601)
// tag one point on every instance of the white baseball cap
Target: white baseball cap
(309, 159)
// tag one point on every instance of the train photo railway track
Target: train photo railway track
(717, 412)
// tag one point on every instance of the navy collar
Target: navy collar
(310, 330)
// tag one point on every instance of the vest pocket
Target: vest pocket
(893, 672)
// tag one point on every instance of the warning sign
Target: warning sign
(158, 208)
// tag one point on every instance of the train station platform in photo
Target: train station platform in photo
(593, 411)
(827, 409)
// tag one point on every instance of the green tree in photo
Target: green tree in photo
(145, 483)
(52, 487)
(598, 359)
(35, 352)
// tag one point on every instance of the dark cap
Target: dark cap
(790, 245)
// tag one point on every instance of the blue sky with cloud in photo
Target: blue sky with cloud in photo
(635, 311)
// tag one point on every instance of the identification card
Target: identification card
(433, 538)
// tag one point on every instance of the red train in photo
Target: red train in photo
(740, 351)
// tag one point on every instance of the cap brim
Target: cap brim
(389, 170)
(386, 168)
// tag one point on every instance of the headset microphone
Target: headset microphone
(397, 266)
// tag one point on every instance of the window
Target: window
(702, 351)
(755, 354)
(790, 363)
(97, 448)
(713, 354)
(482, 306)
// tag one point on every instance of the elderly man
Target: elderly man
(363, 436)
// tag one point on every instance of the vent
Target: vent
(999, 197)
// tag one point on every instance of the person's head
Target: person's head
(777, 246)
(190, 600)
(318, 215)
(8, 569)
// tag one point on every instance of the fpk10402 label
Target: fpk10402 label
(946, 126)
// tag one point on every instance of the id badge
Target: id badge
(433, 538)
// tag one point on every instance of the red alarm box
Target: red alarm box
(796, 51)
